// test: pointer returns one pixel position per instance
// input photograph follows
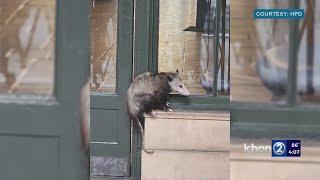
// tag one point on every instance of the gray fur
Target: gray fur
(150, 92)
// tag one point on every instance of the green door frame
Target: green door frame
(110, 140)
(144, 51)
(33, 125)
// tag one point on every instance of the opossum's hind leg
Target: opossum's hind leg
(142, 134)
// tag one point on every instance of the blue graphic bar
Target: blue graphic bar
(286, 148)
(278, 14)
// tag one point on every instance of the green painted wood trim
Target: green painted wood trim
(144, 52)
(155, 19)
(293, 57)
(143, 49)
(146, 35)
(278, 130)
(116, 102)
(199, 102)
(271, 120)
(125, 45)
(145, 59)
(72, 49)
(281, 115)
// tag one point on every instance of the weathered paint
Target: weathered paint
(109, 166)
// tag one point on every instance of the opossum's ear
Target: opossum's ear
(169, 78)
(177, 71)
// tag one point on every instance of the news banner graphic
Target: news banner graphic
(278, 14)
(286, 148)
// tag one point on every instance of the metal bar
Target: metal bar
(154, 40)
(142, 37)
(229, 85)
(201, 5)
(310, 46)
(293, 57)
(223, 43)
(216, 48)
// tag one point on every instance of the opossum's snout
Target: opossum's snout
(177, 85)
(182, 89)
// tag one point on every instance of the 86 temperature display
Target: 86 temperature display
(286, 148)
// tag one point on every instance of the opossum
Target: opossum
(150, 92)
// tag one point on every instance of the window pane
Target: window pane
(186, 44)
(27, 36)
(103, 45)
(259, 53)
(309, 54)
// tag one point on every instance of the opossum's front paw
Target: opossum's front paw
(153, 114)
(166, 107)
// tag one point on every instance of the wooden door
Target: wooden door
(111, 68)
(44, 65)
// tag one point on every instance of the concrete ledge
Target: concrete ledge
(185, 165)
(187, 134)
(191, 130)
(194, 115)
(190, 145)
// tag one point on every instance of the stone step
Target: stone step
(203, 131)
(185, 165)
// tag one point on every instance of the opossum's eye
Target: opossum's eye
(169, 78)
(180, 86)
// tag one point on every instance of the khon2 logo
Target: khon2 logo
(279, 148)
(286, 148)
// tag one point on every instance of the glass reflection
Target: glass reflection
(186, 44)
(308, 56)
(103, 33)
(27, 46)
(259, 53)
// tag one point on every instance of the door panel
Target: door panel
(99, 124)
(39, 134)
(110, 132)
(43, 145)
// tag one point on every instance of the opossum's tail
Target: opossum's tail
(142, 134)
(136, 118)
